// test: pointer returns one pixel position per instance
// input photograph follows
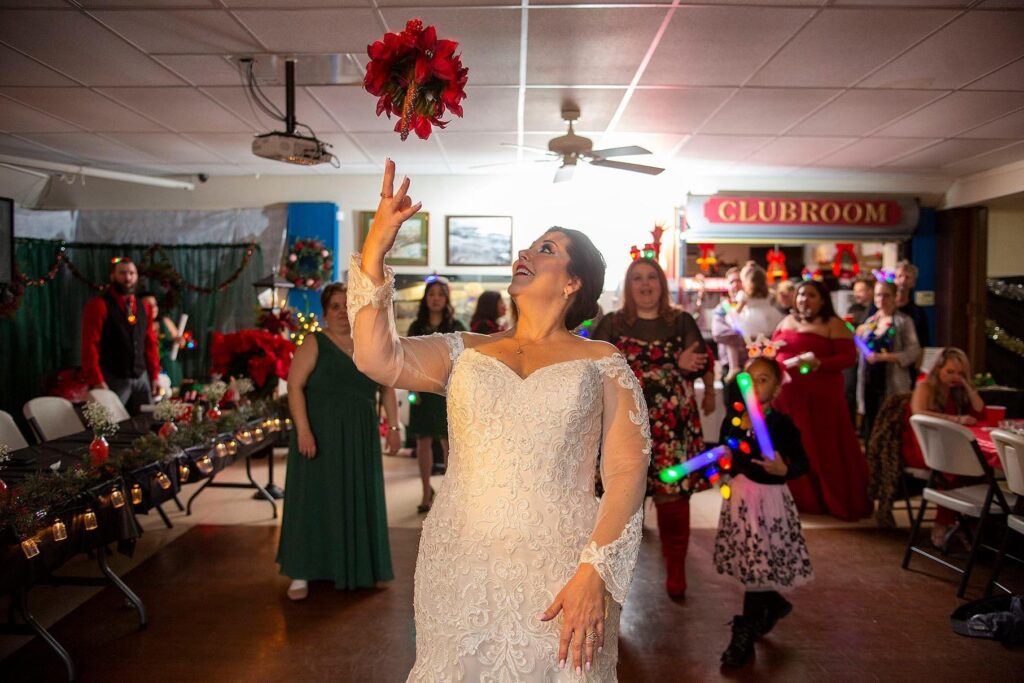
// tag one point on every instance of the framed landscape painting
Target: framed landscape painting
(479, 240)
(411, 244)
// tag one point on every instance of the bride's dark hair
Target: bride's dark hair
(587, 264)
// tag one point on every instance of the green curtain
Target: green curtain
(44, 335)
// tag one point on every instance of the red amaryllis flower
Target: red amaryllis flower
(417, 77)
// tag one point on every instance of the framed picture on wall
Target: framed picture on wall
(411, 245)
(479, 240)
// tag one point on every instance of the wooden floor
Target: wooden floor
(218, 613)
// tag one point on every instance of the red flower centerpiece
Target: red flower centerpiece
(416, 76)
(256, 354)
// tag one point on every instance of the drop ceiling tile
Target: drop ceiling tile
(971, 46)
(872, 152)
(485, 110)
(345, 149)
(946, 153)
(84, 108)
(857, 112)
(90, 147)
(488, 39)
(413, 153)
(658, 144)
(794, 151)
(1009, 77)
(315, 30)
(181, 31)
(905, 3)
(471, 149)
(719, 45)
(180, 109)
(594, 46)
(721, 147)
(301, 4)
(17, 118)
(307, 110)
(169, 148)
(1000, 4)
(95, 56)
(17, 69)
(543, 111)
(1009, 126)
(839, 47)
(203, 69)
(153, 4)
(353, 107)
(442, 3)
(671, 111)
(765, 111)
(1000, 157)
(20, 147)
(956, 113)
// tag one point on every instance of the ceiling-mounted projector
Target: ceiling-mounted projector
(294, 149)
(287, 146)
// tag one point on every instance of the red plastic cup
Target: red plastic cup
(995, 414)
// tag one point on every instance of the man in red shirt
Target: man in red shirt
(119, 346)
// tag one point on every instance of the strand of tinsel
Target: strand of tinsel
(1006, 289)
(1003, 339)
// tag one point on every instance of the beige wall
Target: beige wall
(1005, 242)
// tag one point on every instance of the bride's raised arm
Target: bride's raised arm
(417, 363)
(625, 455)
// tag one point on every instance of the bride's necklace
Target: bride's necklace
(519, 347)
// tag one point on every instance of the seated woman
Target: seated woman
(946, 392)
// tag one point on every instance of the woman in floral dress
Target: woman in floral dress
(666, 352)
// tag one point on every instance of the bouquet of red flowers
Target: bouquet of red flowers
(256, 354)
(275, 323)
(417, 77)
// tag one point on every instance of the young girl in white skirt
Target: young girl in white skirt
(759, 540)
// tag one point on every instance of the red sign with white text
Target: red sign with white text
(794, 211)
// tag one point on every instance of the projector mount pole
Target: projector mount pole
(289, 95)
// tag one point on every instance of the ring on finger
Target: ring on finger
(591, 636)
(386, 196)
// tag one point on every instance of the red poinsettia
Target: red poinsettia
(256, 354)
(416, 76)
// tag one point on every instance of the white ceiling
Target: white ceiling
(894, 86)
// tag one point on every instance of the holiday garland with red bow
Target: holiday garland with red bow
(416, 76)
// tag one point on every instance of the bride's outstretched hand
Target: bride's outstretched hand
(395, 208)
(582, 601)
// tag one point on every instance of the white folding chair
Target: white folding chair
(112, 402)
(950, 448)
(1010, 447)
(9, 432)
(52, 417)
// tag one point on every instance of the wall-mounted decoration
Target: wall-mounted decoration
(411, 244)
(479, 240)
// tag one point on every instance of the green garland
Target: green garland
(1003, 339)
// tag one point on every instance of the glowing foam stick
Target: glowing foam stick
(733, 317)
(862, 344)
(764, 440)
(672, 474)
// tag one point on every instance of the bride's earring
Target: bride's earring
(565, 295)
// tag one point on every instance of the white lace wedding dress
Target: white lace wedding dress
(516, 513)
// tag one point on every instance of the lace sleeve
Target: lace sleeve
(416, 363)
(625, 455)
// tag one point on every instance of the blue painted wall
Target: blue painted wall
(923, 255)
(318, 221)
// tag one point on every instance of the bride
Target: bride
(521, 571)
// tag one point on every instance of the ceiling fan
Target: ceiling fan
(571, 148)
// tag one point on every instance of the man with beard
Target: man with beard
(119, 346)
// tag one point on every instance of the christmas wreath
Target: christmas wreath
(308, 264)
(417, 77)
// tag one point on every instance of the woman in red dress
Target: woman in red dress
(837, 483)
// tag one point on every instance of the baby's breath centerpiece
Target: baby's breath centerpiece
(102, 424)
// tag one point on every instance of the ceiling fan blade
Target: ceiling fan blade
(564, 173)
(623, 166)
(527, 148)
(629, 151)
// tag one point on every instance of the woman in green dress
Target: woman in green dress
(428, 416)
(335, 523)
